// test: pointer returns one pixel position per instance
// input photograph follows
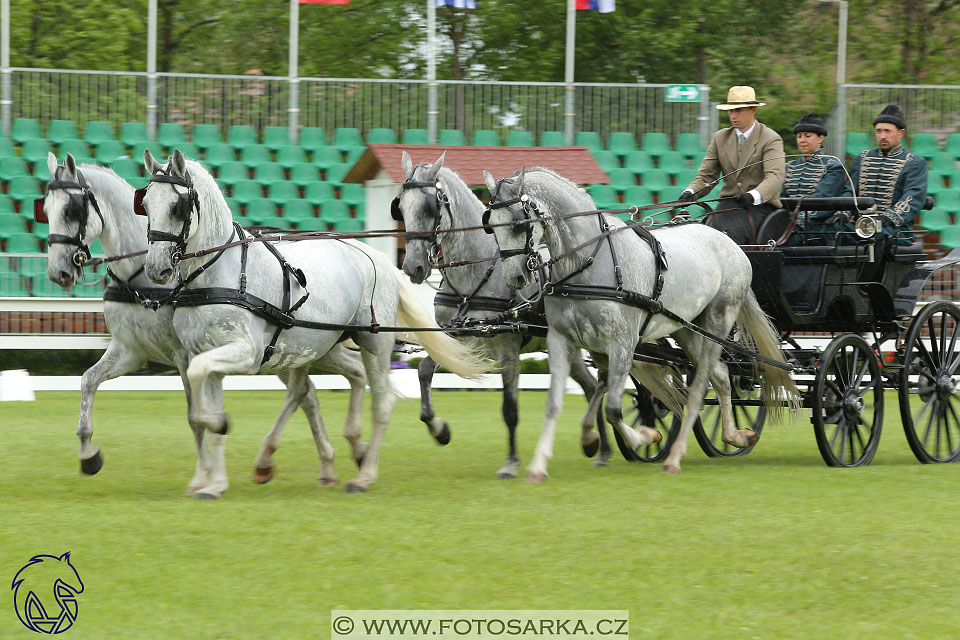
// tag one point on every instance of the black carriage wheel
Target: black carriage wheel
(929, 402)
(847, 403)
(748, 413)
(641, 408)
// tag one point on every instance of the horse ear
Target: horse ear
(518, 183)
(489, 181)
(71, 164)
(406, 164)
(65, 557)
(149, 163)
(179, 162)
(435, 168)
(51, 163)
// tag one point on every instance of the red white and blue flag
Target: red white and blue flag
(459, 4)
(603, 6)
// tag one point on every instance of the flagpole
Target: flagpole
(293, 108)
(5, 100)
(152, 69)
(431, 71)
(568, 78)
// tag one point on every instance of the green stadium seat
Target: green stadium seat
(352, 192)
(485, 138)
(326, 156)
(656, 143)
(313, 138)
(109, 150)
(206, 135)
(520, 138)
(219, 154)
(943, 162)
(13, 167)
(255, 154)
(245, 191)
(12, 285)
(673, 162)
(40, 231)
(352, 155)
(235, 208)
(637, 161)
(347, 138)
(346, 224)
(656, 180)
(277, 222)
(230, 173)
(189, 150)
(290, 155)
(319, 192)
(856, 142)
(303, 174)
(553, 139)
(35, 151)
(98, 131)
(949, 201)
(283, 192)
(22, 243)
(684, 178)
(590, 139)
(259, 208)
(359, 210)
(23, 189)
(59, 131)
(622, 143)
(637, 196)
(26, 129)
(689, 144)
(336, 172)
(606, 159)
(935, 219)
(416, 136)
(950, 237)
(136, 152)
(925, 144)
(170, 135)
(79, 149)
(451, 138)
(269, 173)
(622, 177)
(276, 137)
(296, 210)
(937, 180)
(6, 204)
(7, 149)
(129, 170)
(382, 135)
(88, 290)
(134, 134)
(42, 287)
(334, 209)
(241, 136)
(11, 223)
(604, 196)
(953, 145)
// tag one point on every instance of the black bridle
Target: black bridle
(78, 208)
(530, 213)
(183, 208)
(435, 207)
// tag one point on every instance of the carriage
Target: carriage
(862, 300)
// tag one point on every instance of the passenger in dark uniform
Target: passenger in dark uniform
(815, 176)
(896, 178)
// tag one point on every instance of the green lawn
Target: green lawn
(772, 545)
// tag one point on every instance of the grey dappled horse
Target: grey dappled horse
(89, 202)
(706, 281)
(473, 290)
(341, 287)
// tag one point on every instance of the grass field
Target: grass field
(772, 545)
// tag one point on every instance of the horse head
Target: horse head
(172, 207)
(419, 207)
(516, 223)
(74, 217)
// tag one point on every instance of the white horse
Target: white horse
(276, 307)
(82, 206)
(434, 200)
(597, 282)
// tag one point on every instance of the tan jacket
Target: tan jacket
(724, 156)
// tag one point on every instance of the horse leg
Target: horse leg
(561, 353)
(436, 425)
(306, 393)
(620, 361)
(348, 364)
(201, 475)
(375, 350)
(114, 362)
(510, 374)
(588, 439)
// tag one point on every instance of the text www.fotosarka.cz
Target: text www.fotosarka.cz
(478, 624)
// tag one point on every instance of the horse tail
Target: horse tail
(459, 356)
(777, 388)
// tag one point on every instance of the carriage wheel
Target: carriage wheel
(929, 402)
(847, 403)
(748, 413)
(641, 408)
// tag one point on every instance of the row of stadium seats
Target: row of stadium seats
(924, 144)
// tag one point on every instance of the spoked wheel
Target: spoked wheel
(929, 402)
(640, 407)
(748, 413)
(847, 403)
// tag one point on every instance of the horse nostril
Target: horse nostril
(520, 281)
(65, 278)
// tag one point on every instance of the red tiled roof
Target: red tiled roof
(573, 163)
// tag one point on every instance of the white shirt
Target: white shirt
(746, 136)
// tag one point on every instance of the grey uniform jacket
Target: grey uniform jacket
(724, 155)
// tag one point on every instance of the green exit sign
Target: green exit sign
(683, 93)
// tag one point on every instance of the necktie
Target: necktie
(741, 138)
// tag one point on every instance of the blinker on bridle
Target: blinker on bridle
(77, 208)
(184, 206)
(531, 214)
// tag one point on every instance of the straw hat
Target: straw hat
(740, 96)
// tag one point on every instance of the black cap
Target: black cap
(810, 122)
(892, 115)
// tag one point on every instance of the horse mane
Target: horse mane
(462, 197)
(208, 191)
(581, 197)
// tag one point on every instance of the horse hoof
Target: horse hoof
(263, 475)
(329, 482)
(505, 475)
(752, 437)
(603, 460)
(354, 488)
(443, 438)
(671, 468)
(200, 495)
(92, 465)
(536, 478)
(590, 449)
(657, 437)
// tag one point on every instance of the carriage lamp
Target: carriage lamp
(867, 226)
